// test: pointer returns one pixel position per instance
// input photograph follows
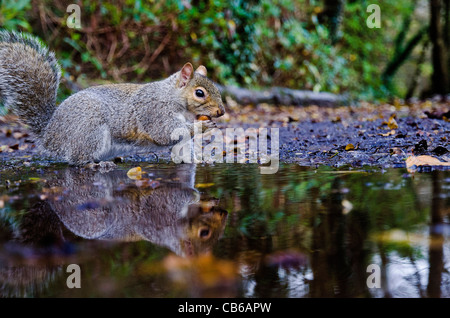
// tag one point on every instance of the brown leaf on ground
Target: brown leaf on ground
(392, 123)
(349, 147)
(416, 161)
(391, 133)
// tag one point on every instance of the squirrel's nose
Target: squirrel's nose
(221, 111)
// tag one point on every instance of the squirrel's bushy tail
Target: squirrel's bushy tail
(29, 79)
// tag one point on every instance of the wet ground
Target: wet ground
(334, 221)
(363, 135)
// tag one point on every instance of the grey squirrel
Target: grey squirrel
(100, 122)
(170, 214)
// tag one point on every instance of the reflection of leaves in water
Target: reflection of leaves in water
(204, 185)
(298, 209)
(135, 173)
(204, 275)
(404, 243)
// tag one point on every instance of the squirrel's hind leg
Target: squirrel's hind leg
(93, 147)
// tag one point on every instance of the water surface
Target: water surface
(225, 231)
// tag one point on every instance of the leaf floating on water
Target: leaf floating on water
(135, 173)
(424, 160)
(347, 206)
(204, 185)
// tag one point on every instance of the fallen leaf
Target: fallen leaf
(438, 115)
(420, 147)
(392, 123)
(395, 151)
(391, 133)
(135, 173)
(439, 151)
(19, 135)
(416, 161)
(349, 147)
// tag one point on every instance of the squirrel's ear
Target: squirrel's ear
(201, 70)
(186, 74)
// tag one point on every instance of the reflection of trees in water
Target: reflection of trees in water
(291, 236)
(436, 245)
(339, 257)
(339, 245)
(425, 274)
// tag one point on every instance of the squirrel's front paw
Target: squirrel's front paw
(208, 124)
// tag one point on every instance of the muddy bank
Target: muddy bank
(363, 135)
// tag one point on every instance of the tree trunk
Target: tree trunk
(447, 35)
(401, 55)
(439, 78)
(332, 17)
(436, 250)
(281, 96)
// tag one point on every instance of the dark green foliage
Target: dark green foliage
(312, 45)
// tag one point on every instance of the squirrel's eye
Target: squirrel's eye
(199, 93)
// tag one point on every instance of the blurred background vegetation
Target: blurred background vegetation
(320, 45)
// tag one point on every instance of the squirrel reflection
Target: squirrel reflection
(110, 206)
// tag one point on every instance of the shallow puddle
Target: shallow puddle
(224, 231)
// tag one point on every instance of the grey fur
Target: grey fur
(100, 122)
(29, 79)
(94, 206)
